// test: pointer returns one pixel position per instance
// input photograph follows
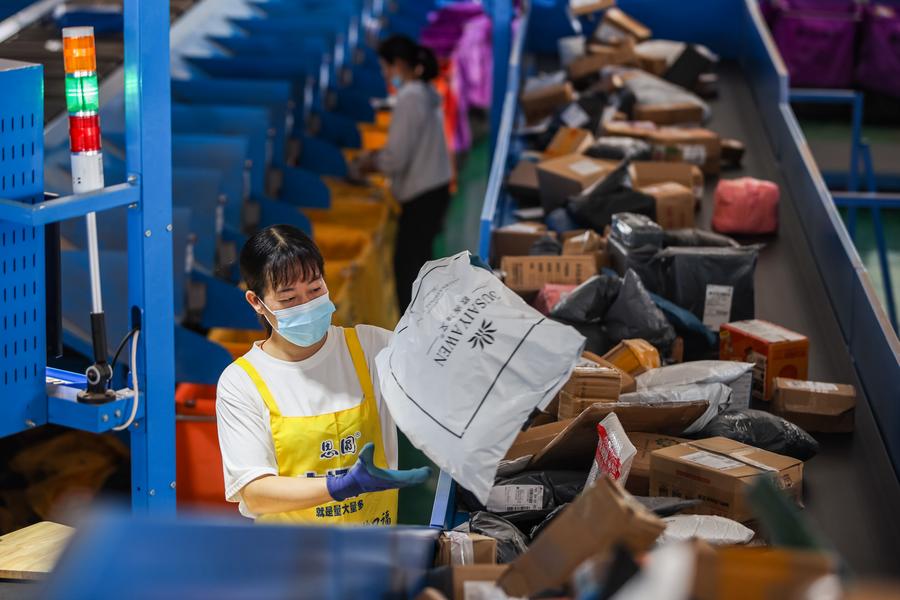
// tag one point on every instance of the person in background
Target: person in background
(304, 432)
(415, 157)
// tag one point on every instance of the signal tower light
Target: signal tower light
(83, 104)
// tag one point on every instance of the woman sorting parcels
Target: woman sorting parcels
(304, 432)
(415, 157)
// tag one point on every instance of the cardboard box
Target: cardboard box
(776, 352)
(569, 140)
(675, 204)
(599, 56)
(534, 439)
(542, 102)
(484, 550)
(634, 356)
(693, 145)
(647, 173)
(516, 239)
(730, 572)
(592, 378)
(452, 581)
(522, 183)
(718, 472)
(815, 406)
(668, 417)
(638, 482)
(655, 65)
(592, 525)
(617, 28)
(565, 176)
(587, 7)
(530, 273)
(669, 114)
(585, 241)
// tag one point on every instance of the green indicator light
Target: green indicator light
(82, 94)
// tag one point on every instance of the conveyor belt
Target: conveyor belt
(851, 491)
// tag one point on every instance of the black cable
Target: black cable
(112, 368)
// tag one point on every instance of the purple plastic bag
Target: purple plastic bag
(817, 46)
(878, 68)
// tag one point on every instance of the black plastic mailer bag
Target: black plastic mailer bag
(634, 315)
(468, 363)
(511, 542)
(716, 284)
(762, 430)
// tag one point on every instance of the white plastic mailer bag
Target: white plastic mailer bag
(719, 531)
(468, 363)
(718, 395)
(736, 375)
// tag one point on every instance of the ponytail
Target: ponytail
(426, 64)
(420, 59)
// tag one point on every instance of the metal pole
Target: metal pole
(94, 263)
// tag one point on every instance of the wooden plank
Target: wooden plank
(31, 553)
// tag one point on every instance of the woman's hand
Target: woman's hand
(364, 477)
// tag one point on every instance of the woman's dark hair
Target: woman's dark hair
(419, 58)
(277, 256)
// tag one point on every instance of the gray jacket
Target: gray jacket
(415, 157)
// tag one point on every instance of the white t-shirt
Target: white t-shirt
(326, 382)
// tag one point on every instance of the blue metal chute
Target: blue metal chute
(338, 129)
(198, 191)
(288, 9)
(225, 305)
(226, 154)
(352, 104)
(264, 46)
(366, 81)
(188, 346)
(248, 122)
(322, 157)
(304, 188)
(284, 68)
(273, 95)
(317, 23)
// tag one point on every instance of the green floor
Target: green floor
(830, 145)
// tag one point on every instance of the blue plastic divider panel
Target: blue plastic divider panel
(22, 310)
(176, 558)
(274, 95)
(248, 122)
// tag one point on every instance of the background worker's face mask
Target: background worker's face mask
(304, 324)
(396, 82)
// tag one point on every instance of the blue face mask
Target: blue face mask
(396, 82)
(305, 324)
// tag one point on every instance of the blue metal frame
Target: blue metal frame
(506, 106)
(148, 196)
(856, 101)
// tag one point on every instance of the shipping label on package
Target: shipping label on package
(713, 461)
(514, 498)
(585, 168)
(717, 309)
(574, 116)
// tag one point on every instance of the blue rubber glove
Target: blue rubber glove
(364, 476)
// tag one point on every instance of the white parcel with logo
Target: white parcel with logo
(469, 362)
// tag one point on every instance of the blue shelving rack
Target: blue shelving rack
(24, 401)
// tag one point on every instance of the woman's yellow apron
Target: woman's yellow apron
(328, 443)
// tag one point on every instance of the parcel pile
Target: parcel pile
(670, 464)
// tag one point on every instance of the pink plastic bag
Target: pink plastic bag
(550, 295)
(746, 205)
